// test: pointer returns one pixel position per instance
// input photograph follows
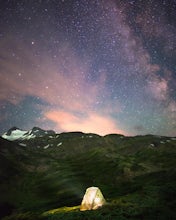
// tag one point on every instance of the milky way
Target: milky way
(93, 66)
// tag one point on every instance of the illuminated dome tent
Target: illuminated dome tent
(93, 199)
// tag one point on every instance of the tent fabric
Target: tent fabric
(93, 199)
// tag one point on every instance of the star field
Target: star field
(92, 66)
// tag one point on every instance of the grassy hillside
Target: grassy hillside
(41, 176)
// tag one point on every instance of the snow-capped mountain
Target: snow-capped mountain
(18, 134)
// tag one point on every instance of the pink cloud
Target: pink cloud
(92, 122)
(62, 83)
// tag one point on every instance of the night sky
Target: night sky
(100, 66)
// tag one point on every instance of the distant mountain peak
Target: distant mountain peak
(37, 128)
(16, 133)
(12, 129)
(41, 131)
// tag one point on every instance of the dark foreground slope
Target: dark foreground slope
(137, 176)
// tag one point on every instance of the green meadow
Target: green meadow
(47, 178)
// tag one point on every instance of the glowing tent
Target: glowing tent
(93, 199)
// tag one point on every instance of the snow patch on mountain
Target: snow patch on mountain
(45, 147)
(22, 144)
(18, 134)
(14, 134)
